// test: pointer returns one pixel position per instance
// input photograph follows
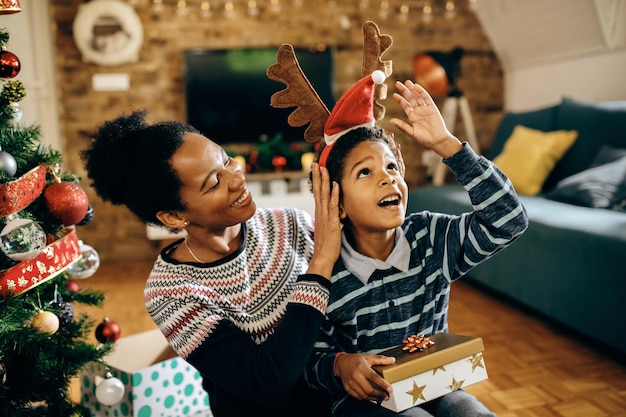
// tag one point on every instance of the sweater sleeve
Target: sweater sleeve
(498, 217)
(319, 371)
(264, 373)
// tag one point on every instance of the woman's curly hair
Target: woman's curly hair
(128, 161)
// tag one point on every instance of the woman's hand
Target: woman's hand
(425, 124)
(359, 379)
(327, 223)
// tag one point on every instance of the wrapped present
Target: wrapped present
(156, 381)
(431, 370)
(55, 258)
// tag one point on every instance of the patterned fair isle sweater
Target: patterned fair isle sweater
(248, 322)
(395, 303)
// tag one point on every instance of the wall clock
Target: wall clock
(108, 32)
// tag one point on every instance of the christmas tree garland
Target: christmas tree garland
(43, 345)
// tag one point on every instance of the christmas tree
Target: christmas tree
(43, 344)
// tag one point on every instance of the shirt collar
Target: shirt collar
(363, 266)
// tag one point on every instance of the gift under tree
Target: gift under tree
(43, 344)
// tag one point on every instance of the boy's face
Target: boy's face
(374, 194)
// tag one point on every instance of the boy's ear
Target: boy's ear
(172, 219)
(342, 213)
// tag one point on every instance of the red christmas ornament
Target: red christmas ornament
(10, 64)
(72, 286)
(108, 331)
(66, 202)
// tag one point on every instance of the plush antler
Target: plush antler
(299, 93)
(374, 45)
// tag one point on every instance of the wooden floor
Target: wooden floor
(536, 369)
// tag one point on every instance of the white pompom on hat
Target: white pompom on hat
(354, 109)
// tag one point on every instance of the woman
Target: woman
(243, 295)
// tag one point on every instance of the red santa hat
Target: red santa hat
(353, 110)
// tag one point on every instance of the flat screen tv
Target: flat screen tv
(228, 93)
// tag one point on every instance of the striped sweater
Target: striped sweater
(393, 303)
(248, 322)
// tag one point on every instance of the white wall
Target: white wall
(595, 78)
(555, 48)
(30, 38)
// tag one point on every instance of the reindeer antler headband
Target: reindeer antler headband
(310, 108)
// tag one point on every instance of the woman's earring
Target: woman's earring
(186, 223)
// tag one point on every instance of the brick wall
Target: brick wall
(157, 84)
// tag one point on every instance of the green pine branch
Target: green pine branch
(38, 366)
(24, 145)
(4, 37)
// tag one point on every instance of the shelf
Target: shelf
(271, 176)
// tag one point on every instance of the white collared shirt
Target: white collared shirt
(363, 266)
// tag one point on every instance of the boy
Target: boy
(394, 273)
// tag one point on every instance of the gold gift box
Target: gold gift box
(453, 362)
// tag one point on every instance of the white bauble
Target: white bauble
(87, 265)
(110, 391)
(22, 239)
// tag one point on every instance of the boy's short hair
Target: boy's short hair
(347, 142)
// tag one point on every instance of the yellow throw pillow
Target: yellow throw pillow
(529, 155)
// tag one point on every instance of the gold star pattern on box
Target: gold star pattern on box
(477, 361)
(456, 385)
(416, 392)
(439, 368)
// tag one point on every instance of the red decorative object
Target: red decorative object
(20, 193)
(50, 262)
(279, 163)
(10, 6)
(10, 64)
(417, 343)
(108, 331)
(67, 202)
(430, 75)
(72, 286)
(253, 162)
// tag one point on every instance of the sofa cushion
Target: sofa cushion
(608, 154)
(602, 186)
(597, 124)
(541, 119)
(529, 155)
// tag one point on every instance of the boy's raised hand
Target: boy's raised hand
(425, 124)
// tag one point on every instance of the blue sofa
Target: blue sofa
(570, 265)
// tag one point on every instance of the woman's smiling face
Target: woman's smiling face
(374, 193)
(214, 188)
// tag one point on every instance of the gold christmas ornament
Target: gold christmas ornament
(45, 322)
